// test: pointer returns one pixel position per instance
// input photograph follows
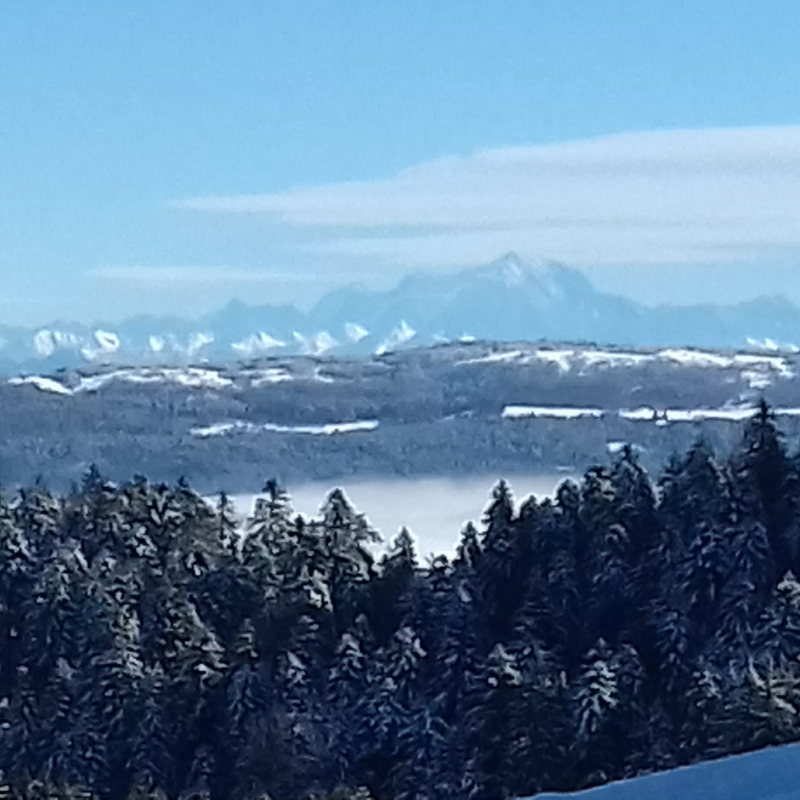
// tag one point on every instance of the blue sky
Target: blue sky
(169, 156)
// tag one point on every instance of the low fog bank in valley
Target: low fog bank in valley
(433, 509)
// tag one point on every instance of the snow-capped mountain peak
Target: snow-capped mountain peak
(541, 279)
(355, 332)
(256, 344)
(512, 269)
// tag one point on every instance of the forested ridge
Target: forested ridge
(149, 649)
(439, 412)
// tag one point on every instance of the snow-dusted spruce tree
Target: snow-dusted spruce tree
(244, 719)
(768, 486)
(269, 530)
(393, 591)
(346, 536)
(498, 569)
(227, 524)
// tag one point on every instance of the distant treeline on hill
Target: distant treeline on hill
(150, 648)
(442, 411)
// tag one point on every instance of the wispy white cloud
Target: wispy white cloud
(143, 276)
(651, 197)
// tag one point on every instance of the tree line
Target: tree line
(153, 647)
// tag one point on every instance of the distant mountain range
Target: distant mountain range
(510, 299)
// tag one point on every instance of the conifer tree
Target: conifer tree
(347, 535)
(390, 600)
(227, 526)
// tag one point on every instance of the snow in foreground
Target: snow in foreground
(771, 774)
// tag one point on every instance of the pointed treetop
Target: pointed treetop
(275, 490)
(469, 547)
(501, 507)
(403, 545)
(764, 411)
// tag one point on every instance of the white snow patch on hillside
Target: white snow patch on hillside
(757, 369)
(192, 377)
(610, 358)
(695, 358)
(561, 358)
(750, 361)
(268, 376)
(93, 383)
(197, 378)
(566, 360)
(133, 376)
(42, 384)
(225, 428)
(558, 412)
(775, 363)
(218, 429)
(642, 413)
(756, 379)
(698, 414)
(324, 430)
(727, 414)
(492, 358)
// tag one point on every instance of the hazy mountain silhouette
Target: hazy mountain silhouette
(510, 299)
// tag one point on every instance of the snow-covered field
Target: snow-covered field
(758, 366)
(189, 377)
(557, 412)
(433, 509)
(771, 774)
(328, 429)
(644, 414)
